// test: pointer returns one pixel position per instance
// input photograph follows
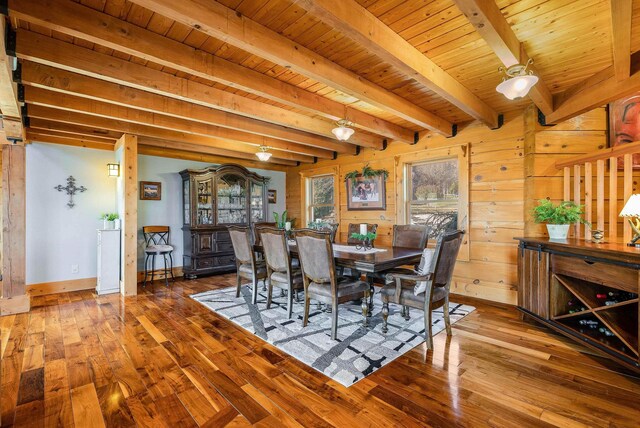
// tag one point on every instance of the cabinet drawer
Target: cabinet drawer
(226, 261)
(224, 246)
(205, 262)
(223, 236)
(611, 275)
(205, 242)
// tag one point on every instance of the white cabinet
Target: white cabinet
(108, 261)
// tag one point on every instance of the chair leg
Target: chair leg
(269, 294)
(239, 281)
(171, 267)
(290, 301)
(334, 321)
(254, 292)
(402, 310)
(407, 316)
(371, 293)
(447, 319)
(153, 267)
(385, 315)
(146, 271)
(427, 328)
(365, 309)
(305, 317)
(166, 276)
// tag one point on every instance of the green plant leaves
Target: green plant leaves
(566, 212)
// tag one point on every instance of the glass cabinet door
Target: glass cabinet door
(231, 199)
(186, 201)
(204, 201)
(257, 202)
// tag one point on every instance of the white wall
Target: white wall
(57, 236)
(168, 211)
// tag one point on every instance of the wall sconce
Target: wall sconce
(113, 169)
(517, 81)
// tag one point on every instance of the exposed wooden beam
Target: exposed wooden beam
(80, 21)
(142, 130)
(43, 97)
(621, 14)
(360, 25)
(9, 104)
(225, 24)
(490, 23)
(61, 134)
(68, 128)
(44, 76)
(68, 140)
(49, 51)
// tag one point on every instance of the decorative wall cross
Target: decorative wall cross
(71, 190)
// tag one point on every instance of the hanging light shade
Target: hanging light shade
(343, 131)
(263, 154)
(517, 81)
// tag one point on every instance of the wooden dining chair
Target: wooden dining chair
(332, 228)
(280, 270)
(435, 279)
(320, 280)
(247, 266)
(254, 230)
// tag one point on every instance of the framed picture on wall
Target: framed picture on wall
(366, 193)
(272, 196)
(624, 125)
(150, 190)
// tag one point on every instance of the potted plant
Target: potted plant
(109, 220)
(558, 217)
(367, 240)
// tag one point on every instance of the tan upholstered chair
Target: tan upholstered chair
(319, 277)
(247, 265)
(437, 279)
(280, 271)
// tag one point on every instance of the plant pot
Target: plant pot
(116, 223)
(558, 231)
(109, 225)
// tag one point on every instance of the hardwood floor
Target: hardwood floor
(161, 359)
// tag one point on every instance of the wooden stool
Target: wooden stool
(157, 244)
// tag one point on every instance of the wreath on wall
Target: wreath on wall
(367, 172)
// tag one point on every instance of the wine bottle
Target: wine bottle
(605, 331)
(601, 296)
(589, 323)
(610, 302)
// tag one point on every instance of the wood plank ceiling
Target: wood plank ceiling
(222, 78)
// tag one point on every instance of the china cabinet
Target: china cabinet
(214, 198)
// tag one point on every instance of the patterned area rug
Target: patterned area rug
(355, 354)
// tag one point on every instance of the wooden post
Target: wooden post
(127, 152)
(588, 198)
(628, 188)
(14, 298)
(600, 194)
(576, 193)
(613, 199)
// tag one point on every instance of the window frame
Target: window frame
(306, 179)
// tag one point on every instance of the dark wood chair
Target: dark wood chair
(156, 239)
(254, 230)
(332, 228)
(280, 270)
(355, 228)
(248, 267)
(400, 289)
(320, 280)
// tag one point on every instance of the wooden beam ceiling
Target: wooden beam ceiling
(68, 140)
(43, 76)
(49, 51)
(362, 26)
(621, 14)
(83, 22)
(486, 17)
(225, 24)
(9, 104)
(67, 128)
(43, 97)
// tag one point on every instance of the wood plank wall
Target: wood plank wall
(496, 201)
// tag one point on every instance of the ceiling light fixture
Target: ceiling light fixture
(263, 154)
(517, 81)
(343, 131)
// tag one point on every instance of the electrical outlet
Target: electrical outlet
(74, 268)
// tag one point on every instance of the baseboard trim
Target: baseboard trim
(44, 288)
(159, 274)
(15, 305)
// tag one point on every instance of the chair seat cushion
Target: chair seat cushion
(346, 287)
(158, 248)
(281, 277)
(261, 270)
(407, 294)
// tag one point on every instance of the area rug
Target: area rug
(355, 354)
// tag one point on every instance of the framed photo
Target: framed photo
(150, 190)
(272, 196)
(366, 193)
(624, 125)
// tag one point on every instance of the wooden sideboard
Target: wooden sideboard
(586, 291)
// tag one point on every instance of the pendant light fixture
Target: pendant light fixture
(263, 154)
(517, 81)
(344, 130)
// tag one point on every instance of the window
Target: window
(433, 194)
(321, 205)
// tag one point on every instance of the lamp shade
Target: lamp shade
(632, 207)
(263, 154)
(342, 133)
(517, 87)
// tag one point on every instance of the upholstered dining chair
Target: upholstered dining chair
(248, 267)
(320, 280)
(254, 230)
(332, 228)
(355, 228)
(156, 239)
(427, 289)
(280, 271)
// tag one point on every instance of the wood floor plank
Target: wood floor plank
(86, 407)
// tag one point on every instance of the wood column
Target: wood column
(14, 298)
(127, 152)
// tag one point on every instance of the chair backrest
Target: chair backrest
(410, 236)
(332, 228)
(355, 228)
(156, 235)
(254, 230)
(315, 252)
(444, 257)
(276, 250)
(241, 241)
